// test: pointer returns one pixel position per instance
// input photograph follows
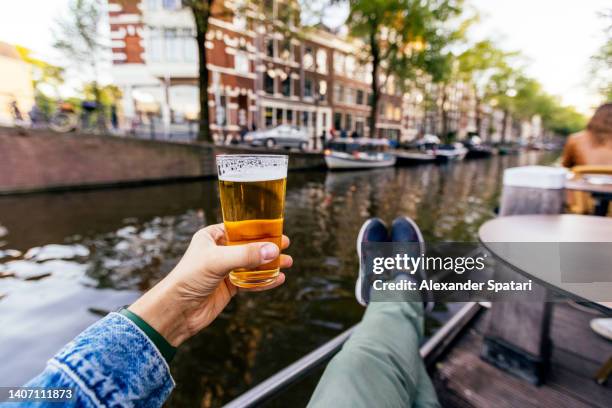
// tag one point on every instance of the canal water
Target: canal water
(66, 259)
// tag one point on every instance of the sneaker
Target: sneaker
(603, 327)
(404, 229)
(373, 230)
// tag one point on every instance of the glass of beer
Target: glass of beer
(252, 190)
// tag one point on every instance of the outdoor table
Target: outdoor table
(602, 192)
(551, 229)
(555, 229)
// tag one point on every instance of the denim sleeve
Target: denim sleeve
(111, 364)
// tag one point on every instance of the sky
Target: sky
(557, 37)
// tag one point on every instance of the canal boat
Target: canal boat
(412, 157)
(477, 149)
(358, 153)
(450, 152)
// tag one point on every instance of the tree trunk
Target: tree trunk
(444, 115)
(375, 89)
(201, 14)
(478, 117)
(504, 126)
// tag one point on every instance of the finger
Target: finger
(280, 279)
(285, 242)
(225, 258)
(217, 232)
(286, 261)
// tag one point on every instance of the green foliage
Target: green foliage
(77, 34)
(601, 63)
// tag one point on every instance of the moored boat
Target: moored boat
(477, 149)
(409, 158)
(450, 152)
(361, 153)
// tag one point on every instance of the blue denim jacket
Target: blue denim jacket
(110, 364)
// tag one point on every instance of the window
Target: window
(240, 22)
(285, 50)
(296, 87)
(290, 116)
(308, 88)
(350, 95)
(308, 62)
(359, 99)
(322, 61)
(338, 93)
(221, 111)
(337, 120)
(350, 66)
(270, 47)
(338, 63)
(190, 45)
(269, 117)
(268, 83)
(155, 52)
(397, 114)
(241, 62)
(322, 90)
(349, 121)
(305, 118)
(279, 116)
(172, 46)
(171, 4)
(286, 86)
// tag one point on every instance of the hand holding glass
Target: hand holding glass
(252, 190)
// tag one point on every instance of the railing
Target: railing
(274, 385)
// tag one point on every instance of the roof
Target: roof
(9, 51)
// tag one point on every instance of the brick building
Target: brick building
(264, 71)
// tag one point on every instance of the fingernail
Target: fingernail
(269, 252)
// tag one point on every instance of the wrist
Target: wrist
(164, 310)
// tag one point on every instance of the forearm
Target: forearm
(112, 363)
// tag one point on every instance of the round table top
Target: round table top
(585, 185)
(536, 246)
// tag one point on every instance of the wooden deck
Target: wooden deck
(462, 379)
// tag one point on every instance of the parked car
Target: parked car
(281, 136)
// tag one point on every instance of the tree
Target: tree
(202, 11)
(477, 65)
(78, 38)
(601, 63)
(46, 79)
(400, 37)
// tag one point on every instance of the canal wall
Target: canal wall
(41, 160)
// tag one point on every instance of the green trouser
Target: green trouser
(380, 365)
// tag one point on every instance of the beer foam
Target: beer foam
(256, 175)
(251, 168)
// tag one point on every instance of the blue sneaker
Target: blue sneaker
(404, 229)
(373, 230)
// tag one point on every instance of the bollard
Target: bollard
(517, 334)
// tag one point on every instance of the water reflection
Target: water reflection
(67, 258)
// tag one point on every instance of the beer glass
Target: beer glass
(252, 190)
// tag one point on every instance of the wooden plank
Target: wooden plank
(571, 331)
(483, 385)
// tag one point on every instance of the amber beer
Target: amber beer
(252, 190)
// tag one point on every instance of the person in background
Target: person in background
(343, 134)
(354, 134)
(323, 138)
(592, 146)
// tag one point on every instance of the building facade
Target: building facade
(263, 71)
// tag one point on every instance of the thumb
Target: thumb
(251, 255)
